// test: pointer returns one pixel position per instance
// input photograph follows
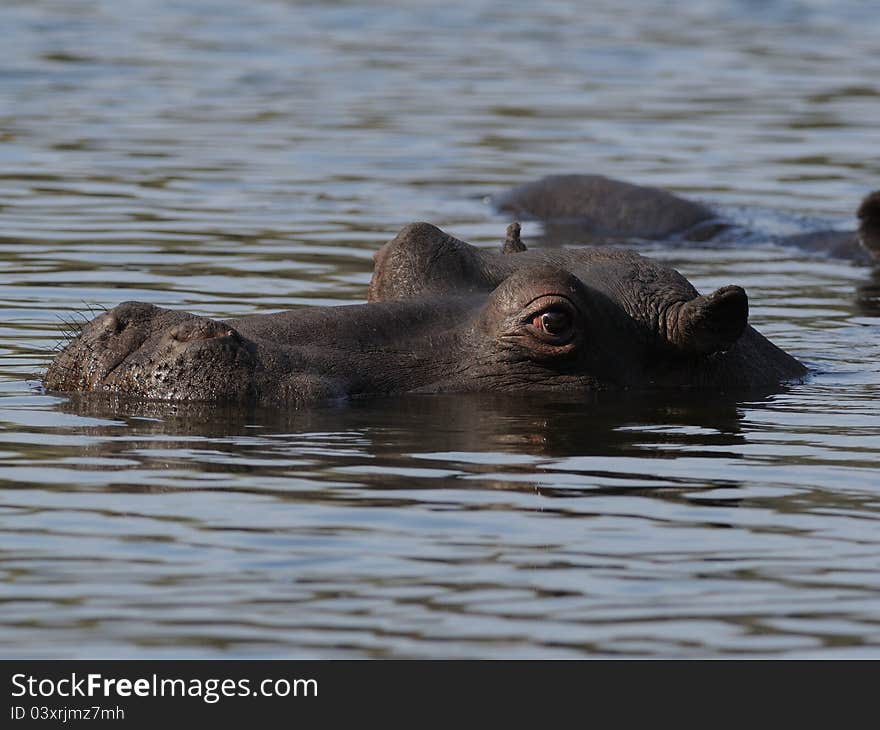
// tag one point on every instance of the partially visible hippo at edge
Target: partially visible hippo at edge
(443, 316)
(603, 207)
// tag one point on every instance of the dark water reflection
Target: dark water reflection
(231, 157)
(554, 424)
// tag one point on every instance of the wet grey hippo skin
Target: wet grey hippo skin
(597, 207)
(443, 316)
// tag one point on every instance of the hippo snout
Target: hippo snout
(155, 353)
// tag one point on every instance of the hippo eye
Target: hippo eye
(554, 322)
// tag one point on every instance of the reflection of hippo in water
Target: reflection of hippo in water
(594, 207)
(443, 316)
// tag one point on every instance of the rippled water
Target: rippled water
(230, 157)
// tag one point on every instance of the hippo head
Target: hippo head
(443, 316)
(650, 305)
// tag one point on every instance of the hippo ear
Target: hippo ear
(869, 223)
(710, 323)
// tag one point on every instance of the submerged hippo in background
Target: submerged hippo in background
(443, 316)
(597, 207)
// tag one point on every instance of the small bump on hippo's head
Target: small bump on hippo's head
(512, 242)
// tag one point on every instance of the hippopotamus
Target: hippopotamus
(595, 208)
(443, 316)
